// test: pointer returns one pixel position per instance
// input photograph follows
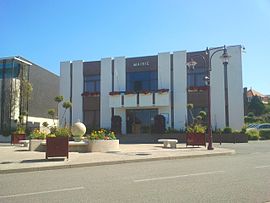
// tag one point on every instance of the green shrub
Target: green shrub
(244, 129)
(227, 130)
(264, 134)
(251, 114)
(236, 132)
(253, 119)
(197, 128)
(37, 134)
(253, 134)
(64, 132)
(102, 134)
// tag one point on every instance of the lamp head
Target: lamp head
(191, 64)
(206, 80)
(225, 56)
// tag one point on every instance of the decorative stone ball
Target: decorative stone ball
(78, 129)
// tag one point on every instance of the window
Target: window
(92, 83)
(139, 81)
(195, 78)
(11, 70)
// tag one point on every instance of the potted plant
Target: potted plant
(57, 142)
(195, 135)
(36, 138)
(102, 141)
(129, 92)
(114, 93)
(161, 91)
(19, 134)
(145, 92)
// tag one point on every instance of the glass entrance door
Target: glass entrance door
(140, 120)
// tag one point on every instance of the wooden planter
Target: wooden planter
(230, 138)
(56, 147)
(196, 139)
(15, 138)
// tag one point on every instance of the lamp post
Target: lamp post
(225, 59)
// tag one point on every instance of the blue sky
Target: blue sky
(47, 32)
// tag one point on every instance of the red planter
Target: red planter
(56, 147)
(115, 93)
(196, 139)
(15, 138)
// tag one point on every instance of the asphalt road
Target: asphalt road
(243, 177)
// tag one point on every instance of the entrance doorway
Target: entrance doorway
(140, 120)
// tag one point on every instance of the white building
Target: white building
(138, 88)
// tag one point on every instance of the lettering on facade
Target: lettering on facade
(141, 64)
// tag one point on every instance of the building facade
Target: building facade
(15, 74)
(139, 88)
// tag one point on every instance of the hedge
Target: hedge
(265, 134)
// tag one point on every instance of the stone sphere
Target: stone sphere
(78, 129)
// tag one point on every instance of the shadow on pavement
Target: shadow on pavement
(22, 150)
(42, 160)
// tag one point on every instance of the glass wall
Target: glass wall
(12, 69)
(141, 81)
(13, 101)
(92, 83)
(142, 119)
(195, 78)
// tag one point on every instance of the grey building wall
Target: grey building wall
(45, 89)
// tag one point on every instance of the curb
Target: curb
(80, 165)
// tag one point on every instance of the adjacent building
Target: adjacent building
(139, 88)
(252, 93)
(15, 75)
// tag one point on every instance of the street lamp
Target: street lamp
(225, 59)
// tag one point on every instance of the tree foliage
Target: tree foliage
(256, 106)
(58, 99)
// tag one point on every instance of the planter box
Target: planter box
(230, 138)
(35, 145)
(103, 145)
(56, 147)
(195, 139)
(15, 138)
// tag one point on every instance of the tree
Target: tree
(190, 114)
(66, 105)
(58, 99)
(51, 113)
(256, 106)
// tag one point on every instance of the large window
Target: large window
(139, 81)
(196, 77)
(92, 83)
(11, 70)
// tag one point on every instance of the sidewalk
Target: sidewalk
(19, 159)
